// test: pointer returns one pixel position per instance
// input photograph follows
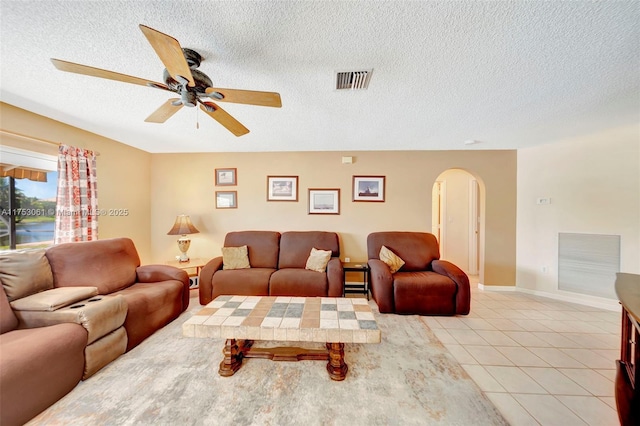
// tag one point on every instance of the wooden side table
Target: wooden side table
(193, 268)
(362, 267)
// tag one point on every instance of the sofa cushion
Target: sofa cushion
(250, 282)
(50, 300)
(423, 293)
(24, 272)
(298, 282)
(391, 259)
(263, 246)
(235, 258)
(107, 264)
(295, 247)
(150, 306)
(318, 259)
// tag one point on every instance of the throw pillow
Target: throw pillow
(50, 300)
(391, 259)
(25, 272)
(318, 259)
(235, 258)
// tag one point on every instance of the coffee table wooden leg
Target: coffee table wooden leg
(232, 358)
(336, 366)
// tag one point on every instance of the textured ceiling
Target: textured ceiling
(510, 74)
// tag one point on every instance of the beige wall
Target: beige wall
(184, 183)
(123, 172)
(594, 186)
(157, 187)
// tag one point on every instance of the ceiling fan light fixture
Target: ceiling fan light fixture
(188, 98)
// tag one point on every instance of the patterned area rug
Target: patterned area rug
(408, 379)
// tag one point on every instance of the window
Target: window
(27, 180)
(34, 212)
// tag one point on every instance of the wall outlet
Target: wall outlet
(347, 259)
(543, 201)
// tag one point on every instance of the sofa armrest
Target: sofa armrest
(205, 284)
(335, 277)
(463, 295)
(157, 273)
(381, 285)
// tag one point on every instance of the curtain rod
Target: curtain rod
(34, 139)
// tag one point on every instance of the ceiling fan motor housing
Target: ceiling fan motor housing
(193, 58)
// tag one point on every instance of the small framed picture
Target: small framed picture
(368, 188)
(282, 188)
(226, 177)
(226, 199)
(324, 201)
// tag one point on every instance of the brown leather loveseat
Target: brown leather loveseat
(424, 284)
(48, 345)
(277, 266)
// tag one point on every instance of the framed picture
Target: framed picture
(368, 188)
(324, 201)
(226, 177)
(282, 188)
(226, 199)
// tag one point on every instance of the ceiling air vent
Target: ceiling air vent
(352, 80)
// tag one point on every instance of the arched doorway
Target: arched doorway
(458, 220)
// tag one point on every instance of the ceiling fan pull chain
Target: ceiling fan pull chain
(197, 119)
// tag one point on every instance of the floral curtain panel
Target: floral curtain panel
(77, 199)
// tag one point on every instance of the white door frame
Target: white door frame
(474, 227)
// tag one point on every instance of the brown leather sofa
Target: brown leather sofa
(46, 352)
(277, 266)
(424, 285)
(155, 294)
(38, 366)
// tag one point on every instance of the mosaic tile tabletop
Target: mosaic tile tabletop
(290, 319)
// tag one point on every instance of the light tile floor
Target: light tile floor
(539, 360)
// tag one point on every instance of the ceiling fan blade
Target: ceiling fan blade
(165, 112)
(98, 72)
(250, 97)
(170, 53)
(224, 118)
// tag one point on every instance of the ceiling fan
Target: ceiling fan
(182, 77)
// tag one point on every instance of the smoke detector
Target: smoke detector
(353, 80)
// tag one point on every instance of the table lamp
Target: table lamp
(183, 226)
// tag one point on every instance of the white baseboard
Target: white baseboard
(581, 299)
(496, 287)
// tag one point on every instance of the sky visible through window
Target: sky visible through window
(40, 190)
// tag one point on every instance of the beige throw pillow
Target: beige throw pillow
(235, 258)
(391, 259)
(318, 259)
(50, 300)
(24, 272)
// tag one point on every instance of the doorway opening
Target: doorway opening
(457, 219)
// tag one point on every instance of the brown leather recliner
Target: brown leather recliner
(424, 285)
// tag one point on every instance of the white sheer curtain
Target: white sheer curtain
(77, 200)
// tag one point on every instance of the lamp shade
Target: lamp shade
(183, 226)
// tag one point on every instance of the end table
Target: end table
(362, 267)
(193, 268)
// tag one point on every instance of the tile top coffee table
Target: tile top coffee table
(242, 319)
